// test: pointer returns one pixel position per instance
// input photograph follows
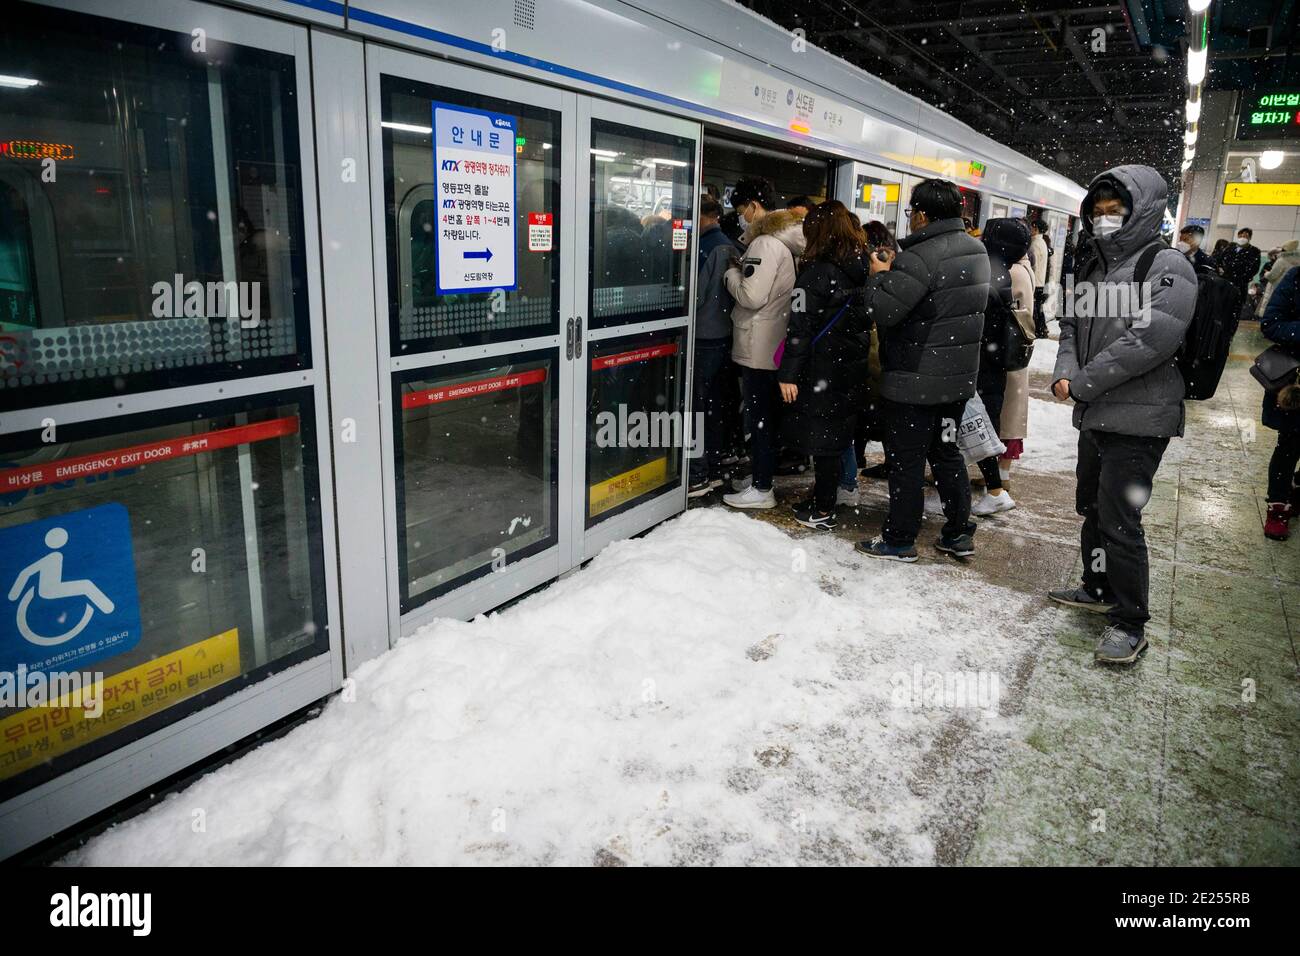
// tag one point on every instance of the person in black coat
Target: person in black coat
(1281, 324)
(823, 368)
(928, 304)
(1007, 241)
(1240, 263)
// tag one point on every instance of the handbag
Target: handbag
(1275, 368)
(1016, 348)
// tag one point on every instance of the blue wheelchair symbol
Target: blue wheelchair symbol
(70, 590)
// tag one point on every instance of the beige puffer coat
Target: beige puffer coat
(762, 287)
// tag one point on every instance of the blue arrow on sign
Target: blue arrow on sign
(485, 255)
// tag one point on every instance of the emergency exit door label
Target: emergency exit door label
(474, 179)
(540, 231)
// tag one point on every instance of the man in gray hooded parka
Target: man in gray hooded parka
(1116, 362)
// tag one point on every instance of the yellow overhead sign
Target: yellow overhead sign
(1261, 194)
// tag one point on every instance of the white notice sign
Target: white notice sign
(474, 177)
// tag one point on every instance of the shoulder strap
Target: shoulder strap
(1147, 259)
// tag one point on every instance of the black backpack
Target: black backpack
(1208, 341)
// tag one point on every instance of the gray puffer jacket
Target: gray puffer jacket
(1118, 357)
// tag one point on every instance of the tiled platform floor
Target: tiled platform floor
(1170, 761)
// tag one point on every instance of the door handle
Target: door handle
(568, 339)
(577, 337)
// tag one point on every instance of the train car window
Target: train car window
(642, 197)
(507, 292)
(477, 470)
(159, 193)
(178, 554)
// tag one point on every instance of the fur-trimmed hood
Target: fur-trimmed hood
(784, 224)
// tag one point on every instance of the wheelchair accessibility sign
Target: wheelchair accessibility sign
(68, 592)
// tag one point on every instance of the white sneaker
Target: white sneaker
(751, 497)
(740, 484)
(846, 498)
(988, 504)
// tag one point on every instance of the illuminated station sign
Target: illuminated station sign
(1269, 114)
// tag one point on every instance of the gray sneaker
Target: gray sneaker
(1118, 646)
(1081, 597)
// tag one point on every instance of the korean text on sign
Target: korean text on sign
(474, 177)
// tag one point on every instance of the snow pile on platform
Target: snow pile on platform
(715, 692)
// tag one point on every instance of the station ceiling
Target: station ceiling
(1077, 86)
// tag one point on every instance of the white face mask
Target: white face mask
(1242, 240)
(1182, 246)
(1105, 225)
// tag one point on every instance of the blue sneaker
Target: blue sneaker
(962, 546)
(878, 548)
(1118, 646)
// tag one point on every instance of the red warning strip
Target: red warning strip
(636, 355)
(33, 476)
(447, 393)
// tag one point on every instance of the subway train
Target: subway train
(309, 312)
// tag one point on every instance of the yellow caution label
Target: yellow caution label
(1261, 194)
(40, 733)
(613, 492)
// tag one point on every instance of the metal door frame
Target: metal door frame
(493, 589)
(587, 543)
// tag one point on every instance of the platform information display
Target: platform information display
(1261, 194)
(1269, 114)
(474, 177)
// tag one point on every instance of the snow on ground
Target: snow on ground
(1052, 442)
(714, 692)
(1043, 358)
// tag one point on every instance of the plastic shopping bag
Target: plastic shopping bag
(976, 436)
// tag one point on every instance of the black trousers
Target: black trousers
(1281, 466)
(762, 414)
(712, 364)
(1114, 477)
(826, 484)
(992, 387)
(915, 434)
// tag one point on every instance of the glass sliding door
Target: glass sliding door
(477, 262)
(639, 203)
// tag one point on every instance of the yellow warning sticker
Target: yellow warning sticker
(615, 491)
(40, 733)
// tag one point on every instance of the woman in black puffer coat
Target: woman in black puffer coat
(823, 373)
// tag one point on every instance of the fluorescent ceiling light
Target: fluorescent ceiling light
(668, 162)
(1271, 158)
(1198, 6)
(607, 153)
(546, 146)
(408, 127)
(1193, 110)
(1190, 137)
(18, 82)
(1196, 65)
